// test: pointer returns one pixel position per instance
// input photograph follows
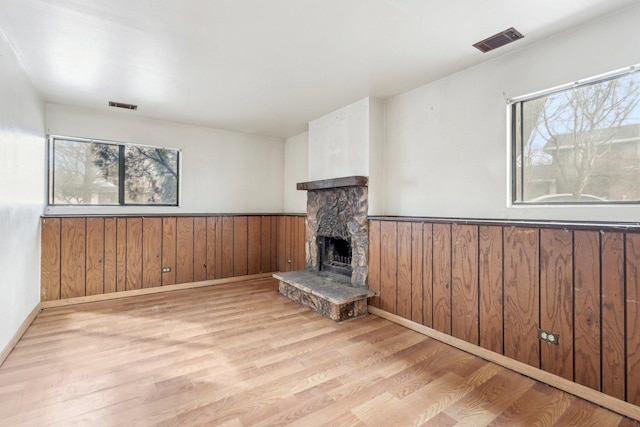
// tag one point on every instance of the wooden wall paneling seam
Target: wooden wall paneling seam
(374, 262)
(587, 314)
(491, 289)
(612, 271)
(556, 300)
(121, 254)
(199, 248)
(274, 243)
(417, 259)
(254, 244)
(632, 298)
(50, 281)
(442, 277)
(282, 243)
(211, 248)
(403, 269)
(240, 245)
(94, 251)
(265, 244)
(521, 295)
(427, 274)
(464, 283)
(73, 257)
(134, 253)
(169, 249)
(151, 252)
(110, 254)
(388, 265)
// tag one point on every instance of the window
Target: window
(89, 172)
(578, 144)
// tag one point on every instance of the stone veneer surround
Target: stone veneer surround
(338, 208)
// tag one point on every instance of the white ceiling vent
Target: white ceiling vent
(498, 40)
(123, 105)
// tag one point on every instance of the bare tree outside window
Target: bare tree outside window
(88, 173)
(580, 145)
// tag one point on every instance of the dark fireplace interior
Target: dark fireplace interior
(335, 255)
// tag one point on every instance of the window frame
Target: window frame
(513, 140)
(121, 174)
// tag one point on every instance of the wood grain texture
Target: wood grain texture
(199, 248)
(151, 252)
(374, 262)
(121, 254)
(110, 237)
(404, 285)
(169, 247)
(521, 295)
(254, 238)
(464, 281)
(613, 305)
(95, 256)
(288, 243)
(302, 256)
(427, 274)
(184, 249)
(556, 300)
(442, 277)
(491, 288)
(50, 260)
(265, 244)
(273, 364)
(240, 247)
(134, 253)
(212, 236)
(227, 247)
(282, 243)
(72, 265)
(388, 265)
(220, 248)
(274, 243)
(633, 317)
(417, 257)
(586, 249)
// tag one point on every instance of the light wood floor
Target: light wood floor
(243, 355)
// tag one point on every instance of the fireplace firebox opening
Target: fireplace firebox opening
(335, 255)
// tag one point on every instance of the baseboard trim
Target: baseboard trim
(19, 333)
(586, 393)
(147, 291)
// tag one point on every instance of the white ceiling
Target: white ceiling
(262, 66)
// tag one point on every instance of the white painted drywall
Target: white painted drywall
(222, 171)
(446, 151)
(22, 172)
(339, 143)
(296, 169)
(376, 155)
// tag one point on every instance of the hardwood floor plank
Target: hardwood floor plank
(241, 354)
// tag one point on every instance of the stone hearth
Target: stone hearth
(329, 295)
(337, 248)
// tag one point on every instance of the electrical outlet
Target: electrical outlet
(166, 269)
(550, 337)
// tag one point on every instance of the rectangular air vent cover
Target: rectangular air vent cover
(123, 105)
(498, 40)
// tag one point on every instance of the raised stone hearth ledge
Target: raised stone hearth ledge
(347, 181)
(327, 294)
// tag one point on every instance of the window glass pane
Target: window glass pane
(582, 145)
(85, 173)
(151, 176)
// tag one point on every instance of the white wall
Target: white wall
(339, 143)
(376, 156)
(296, 169)
(22, 171)
(222, 171)
(446, 143)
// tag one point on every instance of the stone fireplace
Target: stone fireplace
(337, 248)
(337, 227)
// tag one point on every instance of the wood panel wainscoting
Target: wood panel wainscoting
(97, 255)
(493, 285)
